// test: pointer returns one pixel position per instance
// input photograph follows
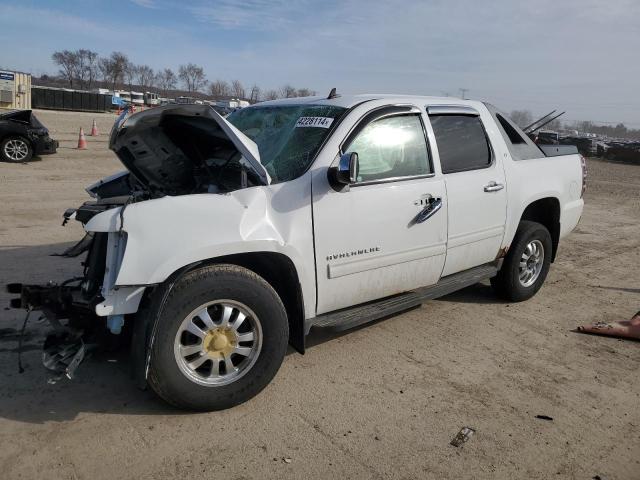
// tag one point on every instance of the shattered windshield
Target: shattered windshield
(288, 137)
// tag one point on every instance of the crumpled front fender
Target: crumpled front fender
(108, 221)
(168, 233)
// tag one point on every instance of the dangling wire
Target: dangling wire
(24, 326)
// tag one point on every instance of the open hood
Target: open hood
(182, 149)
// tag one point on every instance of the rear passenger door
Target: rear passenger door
(475, 182)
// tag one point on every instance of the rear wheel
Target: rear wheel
(526, 266)
(221, 338)
(16, 150)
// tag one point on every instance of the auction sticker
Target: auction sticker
(318, 122)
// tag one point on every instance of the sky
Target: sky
(575, 55)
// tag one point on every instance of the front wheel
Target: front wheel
(527, 263)
(221, 337)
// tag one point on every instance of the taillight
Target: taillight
(583, 164)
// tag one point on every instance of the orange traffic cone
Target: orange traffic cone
(82, 142)
(94, 129)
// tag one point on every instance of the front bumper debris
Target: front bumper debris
(63, 352)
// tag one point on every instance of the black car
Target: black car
(22, 136)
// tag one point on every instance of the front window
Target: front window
(288, 137)
(391, 147)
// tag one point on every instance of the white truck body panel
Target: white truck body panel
(322, 230)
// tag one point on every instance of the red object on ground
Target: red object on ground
(94, 129)
(624, 329)
(82, 142)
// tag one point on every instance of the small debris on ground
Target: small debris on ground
(463, 436)
(621, 329)
(286, 459)
(545, 417)
(54, 380)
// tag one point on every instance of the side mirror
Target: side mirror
(347, 171)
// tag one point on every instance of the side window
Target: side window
(462, 142)
(391, 147)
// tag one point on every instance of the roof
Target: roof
(349, 101)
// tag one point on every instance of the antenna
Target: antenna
(463, 92)
(332, 94)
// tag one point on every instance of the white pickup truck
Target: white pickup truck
(225, 240)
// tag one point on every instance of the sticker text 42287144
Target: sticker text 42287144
(318, 122)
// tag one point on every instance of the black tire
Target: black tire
(23, 141)
(194, 289)
(507, 283)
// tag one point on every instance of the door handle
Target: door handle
(493, 187)
(430, 209)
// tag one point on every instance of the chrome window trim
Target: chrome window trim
(391, 180)
(412, 110)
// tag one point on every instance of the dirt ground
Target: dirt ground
(382, 401)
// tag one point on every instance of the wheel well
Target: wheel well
(280, 272)
(546, 211)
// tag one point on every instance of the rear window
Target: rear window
(462, 142)
(288, 137)
(520, 146)
(512, 134)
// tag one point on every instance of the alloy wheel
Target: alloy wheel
(16, 150)
(531, 263)
(218, 342)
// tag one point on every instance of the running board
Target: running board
(368, 312)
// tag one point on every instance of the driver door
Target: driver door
(372, 239)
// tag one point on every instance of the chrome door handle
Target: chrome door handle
(433, 205)
(493, 187)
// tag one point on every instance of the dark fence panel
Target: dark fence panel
(55, 99)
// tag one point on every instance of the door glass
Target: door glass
(391, 147)
(462, 143)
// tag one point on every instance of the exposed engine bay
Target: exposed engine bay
(183, 150)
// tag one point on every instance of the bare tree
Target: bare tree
(145, 76)
(254, 95)
(522, 118)
(220, 88)
(238, 89)
(130, 73)
(91, 67)
(270, 95)
(287, 91)
(192, 76)
(68, 63)
(166, 80)
(305, 92)
(112, 68)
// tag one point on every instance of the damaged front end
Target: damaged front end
(168, 152)
(73, 307)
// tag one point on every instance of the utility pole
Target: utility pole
(463, 92)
